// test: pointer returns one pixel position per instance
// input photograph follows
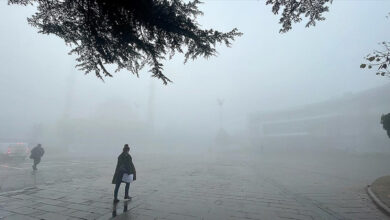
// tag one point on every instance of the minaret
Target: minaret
(65, 133)
(151, 106)
(69, 94)
(220, 104)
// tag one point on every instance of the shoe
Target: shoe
(128, 197)
(116, 200)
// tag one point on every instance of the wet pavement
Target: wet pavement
(18, 174)
(379, 191)
(200, 186)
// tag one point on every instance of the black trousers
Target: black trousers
(117, 185)
(36, 162)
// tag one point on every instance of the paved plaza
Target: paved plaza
(235, 185)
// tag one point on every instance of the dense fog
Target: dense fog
(276, 126)
(303, 88)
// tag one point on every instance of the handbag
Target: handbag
(127, 178)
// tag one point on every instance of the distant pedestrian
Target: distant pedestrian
(36, 154)
(124, 166)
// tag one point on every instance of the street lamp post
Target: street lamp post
(220, 104)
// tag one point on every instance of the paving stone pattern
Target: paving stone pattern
(197, 187)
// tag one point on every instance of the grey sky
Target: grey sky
(263, 71)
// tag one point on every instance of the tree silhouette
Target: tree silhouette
(379, 59)
(132, 34)
(294, 10)
(385, 121)
(129, 34)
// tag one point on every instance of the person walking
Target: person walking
(124, 166)
(36, 154)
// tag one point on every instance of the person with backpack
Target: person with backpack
(124, 169)
(36, 154)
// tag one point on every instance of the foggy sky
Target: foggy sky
(262, 71)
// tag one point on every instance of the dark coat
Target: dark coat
(37, 152)
(124, 165)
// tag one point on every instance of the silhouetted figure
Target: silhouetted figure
(36, 154)
(124, 166)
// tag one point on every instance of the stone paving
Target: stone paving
(234, 188)
(381, 187)
(200, 187)
(18, 174)
(58, 201)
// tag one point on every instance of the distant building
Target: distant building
(349, 123)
